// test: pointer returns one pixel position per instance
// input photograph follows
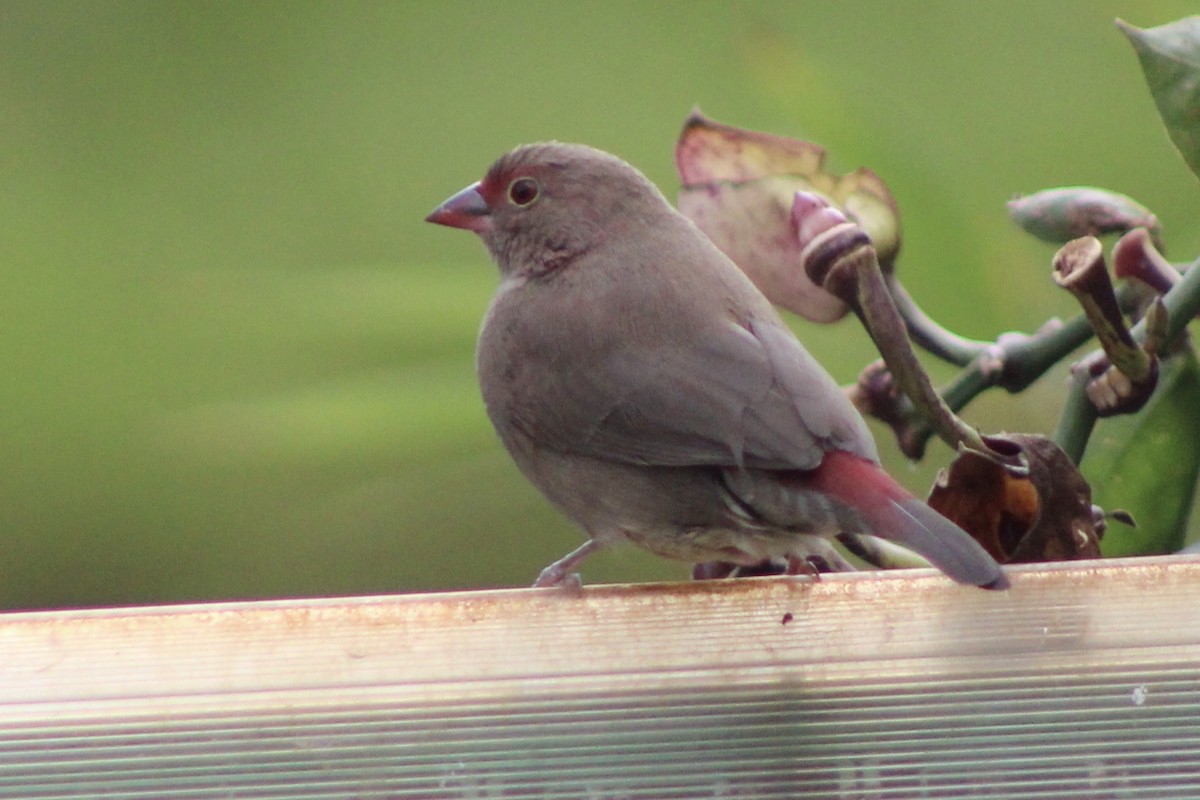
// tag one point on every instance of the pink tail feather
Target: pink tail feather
(894, 514)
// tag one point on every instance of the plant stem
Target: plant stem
(1182, 302)
(1079, 267)
(1013, 362)
(838, 256)
(1079, 414)
(927, 334)
(1026, 358)
(1077, 420)
(887, 329)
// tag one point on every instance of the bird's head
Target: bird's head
(542, 205)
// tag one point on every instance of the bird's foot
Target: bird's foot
(550, 578)
(561, 573)
(810, 566)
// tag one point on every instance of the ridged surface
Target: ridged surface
(1080, 682)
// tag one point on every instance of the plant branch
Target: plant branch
(927, 334)
(1182, 305)
(838, 256)
(1077, 420)
(1013, 362)
(1080, 269)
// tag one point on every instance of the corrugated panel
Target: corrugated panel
(1080, 682)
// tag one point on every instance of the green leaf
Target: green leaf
(1148, 463)
(1170, 56)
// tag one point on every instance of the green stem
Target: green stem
(927, 334)
(1079, 415)
(1012, 363)
(1183, 305)
(963, 388)
(1077, 420)
(1027, 358)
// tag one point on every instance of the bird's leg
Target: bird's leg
(712, 570)
(813, 562)
(559, 573)
(797, 565)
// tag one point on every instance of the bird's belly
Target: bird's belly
(681, 513)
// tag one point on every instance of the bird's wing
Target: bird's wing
(734, 394)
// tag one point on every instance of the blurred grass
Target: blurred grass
(238, 364)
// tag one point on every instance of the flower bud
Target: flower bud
(739, 187)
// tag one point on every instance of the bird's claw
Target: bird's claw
(805, 566)
(551, 578)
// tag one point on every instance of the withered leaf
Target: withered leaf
(1039, 511)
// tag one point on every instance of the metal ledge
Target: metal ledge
(1082, 681)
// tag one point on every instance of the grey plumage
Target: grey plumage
(649, 390)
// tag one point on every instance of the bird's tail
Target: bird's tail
(912, 524)
(893, 514)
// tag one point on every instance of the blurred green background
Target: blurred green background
(237, 363)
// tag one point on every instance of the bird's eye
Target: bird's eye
(523, 191)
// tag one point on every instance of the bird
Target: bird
(647, 388)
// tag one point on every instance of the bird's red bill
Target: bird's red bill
(467, 210)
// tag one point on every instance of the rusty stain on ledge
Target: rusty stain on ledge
(924, 684)
(868, 619)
